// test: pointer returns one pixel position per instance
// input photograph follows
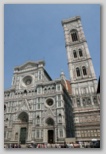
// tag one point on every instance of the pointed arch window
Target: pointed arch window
(16, 136)
(84, 70)
(88, 101)
(78, 71)
(84, 102)
(74, 35)
(60, 118)
(80, 53)
(78, 102)
(38, 119)
(4, 107)
(75, 54)
(95, 100)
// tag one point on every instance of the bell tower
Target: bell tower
(82, 74)
(86, 105)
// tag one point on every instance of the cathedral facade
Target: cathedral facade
(37, 108)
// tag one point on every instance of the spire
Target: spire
(62, 75)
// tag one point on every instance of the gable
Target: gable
(29, 65)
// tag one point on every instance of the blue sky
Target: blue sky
(34, 32)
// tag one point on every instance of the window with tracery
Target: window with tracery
(74, 35)
(78, 103)
(38, 119)
(78, 71)
(60, 118)
(84, 70)
(16, 136)
(5, 108)
(80, 53)
(95, 100)
(88, 101)
(75, 54)
(84, 102)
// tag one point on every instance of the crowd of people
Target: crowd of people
(44, 145)
(16, 145)
(55, 145)
(48, 145)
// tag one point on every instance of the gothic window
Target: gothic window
(45, 90)
(75, 54)
(84, 70)
(49, 89)
(84, 102)
(80, 53)
(88, 101)
(53, 88)
(95, 100)
(16, 136)
(25, 92)
(6, 119)
(4, 107)
(78, 71)
(78, 103)
(58, 87)
(74, 35)
(59, 117)
(38, 119)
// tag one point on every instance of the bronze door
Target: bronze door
(50, 136)
(23, 134)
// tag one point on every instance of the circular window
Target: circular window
(27, 80)
(49, 102)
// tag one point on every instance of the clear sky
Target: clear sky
(34, 32)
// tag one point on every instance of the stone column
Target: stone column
(55, 135)
(45, 136)
(29, 133)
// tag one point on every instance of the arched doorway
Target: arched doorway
(23, 116)
(50, 122)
